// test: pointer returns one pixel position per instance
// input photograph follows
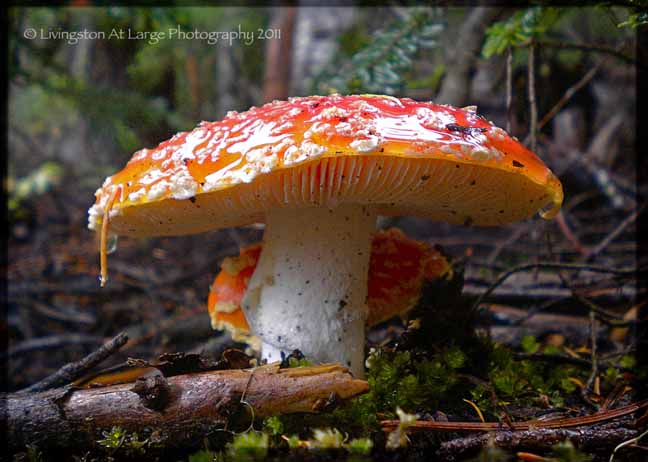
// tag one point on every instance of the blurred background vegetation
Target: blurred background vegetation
(78, 109)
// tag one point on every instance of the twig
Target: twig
(608, 318)
(533, 311)
(568, 233)
(569, 93)
(593, 252)
(568, 422)
(50, 342)
(512, 238)
(627, 443)
(73, 371)
(552, 265)
(533, 109)
(594, 347)
(616, 52)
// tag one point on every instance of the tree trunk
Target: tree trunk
(276, 81)
(317, 30)
(461, 57)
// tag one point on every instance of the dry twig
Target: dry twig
(73, 371)
(568, 422)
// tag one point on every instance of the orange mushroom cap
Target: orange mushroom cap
(396, 156)
(397, 269)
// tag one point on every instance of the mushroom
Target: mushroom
(318, 171)
(398, 266)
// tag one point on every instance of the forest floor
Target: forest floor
(546, 341)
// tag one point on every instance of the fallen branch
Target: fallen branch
(176, 411)
(73, 371)
(540, 440)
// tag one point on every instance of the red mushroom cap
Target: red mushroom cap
(397, 156)
(397, 269)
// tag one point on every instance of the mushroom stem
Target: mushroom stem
(309, 290)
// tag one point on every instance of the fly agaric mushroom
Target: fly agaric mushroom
(318, 171)
(398, 266)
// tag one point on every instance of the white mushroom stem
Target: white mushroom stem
(309, 290)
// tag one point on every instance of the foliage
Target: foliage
(327, 438)
(125, 93)
(518, 382)
(635, 20)
(273, 426)
(566, 452)
(251, 445)
(398, 437)
(402, 380)
(46, 177)
(361, 446)
(204, 455)
(529, 344)
(298, 362)
(491, 453)
(119, 439)
(638, 17)
(518, 29)
(381, 66)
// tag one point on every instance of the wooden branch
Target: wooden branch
(539, 439)
(73, 371)
(177, 411)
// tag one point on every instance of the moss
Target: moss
(517, 383)
(205, 455)
(128, 444)
(251, 445)
(566, 452)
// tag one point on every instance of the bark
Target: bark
(538, 440)
(276, 81)
(177, 411)
(461, 58)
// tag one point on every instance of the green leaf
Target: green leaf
(529, 344)
(382, 65)
(627, 361)
(519, 28)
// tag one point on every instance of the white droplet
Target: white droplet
(111, 243)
